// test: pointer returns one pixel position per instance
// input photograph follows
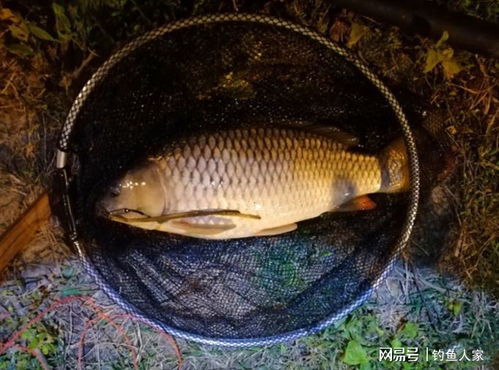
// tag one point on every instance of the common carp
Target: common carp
(252, 182)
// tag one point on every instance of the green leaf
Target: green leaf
(395, 343)
(410, 330)
(407, 365)
(70, 291)
(34, 343)
(355, 354)
(455, 307)
(40, 32)
(20, 49)
(62, 23)
(340, 323)
(19, 31)
(28, 334)
(365, 366)
(68, 272)
(47, 348)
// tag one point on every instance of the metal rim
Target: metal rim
(101, 73)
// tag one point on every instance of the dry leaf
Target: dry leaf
(444, 56)
(433, 57)
(7, 15)
(447, 53)
(451, 68)
(357, 31)
(20, 31)
(444, 38)
(338, 30)
(40, 32)
(20, 49)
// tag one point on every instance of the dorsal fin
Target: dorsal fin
(332, 132)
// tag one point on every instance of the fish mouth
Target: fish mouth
(102, 211)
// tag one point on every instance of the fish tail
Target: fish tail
(394, 168)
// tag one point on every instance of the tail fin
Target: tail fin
(394, 168)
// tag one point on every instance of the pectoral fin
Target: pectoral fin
(362, 203)
(189, 214)
(277, 230)
(201, 229)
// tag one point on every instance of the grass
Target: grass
(412, 309)
(480, 215)
(485, 9)
(448, 305)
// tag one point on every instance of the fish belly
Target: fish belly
(282, 176)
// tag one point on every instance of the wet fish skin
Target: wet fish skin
(283, 176)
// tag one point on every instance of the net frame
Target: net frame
(101, 73)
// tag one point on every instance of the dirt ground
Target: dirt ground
(443, 295)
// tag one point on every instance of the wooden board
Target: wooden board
(23, 231)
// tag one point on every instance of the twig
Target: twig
(141, 12)
(8, 83)
(234, 5)
(36, 354)
(428, 311)
(41, 358)
(11, 341)
(140, 341)
(107, 318)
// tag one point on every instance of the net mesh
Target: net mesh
(205, 76)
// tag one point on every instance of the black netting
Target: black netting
(210, 77)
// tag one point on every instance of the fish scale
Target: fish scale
(276, 176)
(295, 169)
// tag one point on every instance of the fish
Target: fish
(252, 182)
